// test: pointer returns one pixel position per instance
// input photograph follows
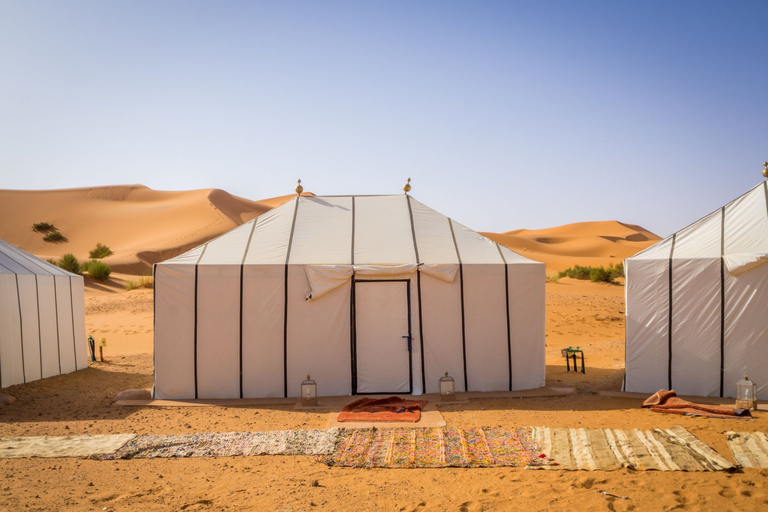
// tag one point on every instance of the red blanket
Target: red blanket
(667, 401)
(392, 408)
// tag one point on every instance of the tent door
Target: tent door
(382, 337)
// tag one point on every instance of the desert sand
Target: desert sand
(590, 315)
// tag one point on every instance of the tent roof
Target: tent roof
(350, 230)
(737, 230)
(15, 261)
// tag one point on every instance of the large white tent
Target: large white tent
(367, 294)
(42, 319)
(697, 304)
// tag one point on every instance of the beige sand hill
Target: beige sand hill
(142, 226)
(582, 243)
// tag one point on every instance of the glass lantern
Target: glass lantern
(447, 388)
(308, 392)
(746, 394)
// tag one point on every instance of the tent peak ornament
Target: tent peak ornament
(407, 186)
(765, 170)
(299, 188)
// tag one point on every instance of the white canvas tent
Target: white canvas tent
(367, 294)
(697, 304)
(42, 319)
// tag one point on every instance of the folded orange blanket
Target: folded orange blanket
(392, 408)
(668, 402)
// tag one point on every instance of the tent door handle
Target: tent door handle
(409, 341)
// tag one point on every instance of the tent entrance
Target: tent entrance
(381, 324)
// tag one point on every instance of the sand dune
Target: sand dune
(582, 243)
(142, 226)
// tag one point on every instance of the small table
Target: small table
(570, 351)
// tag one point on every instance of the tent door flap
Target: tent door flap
(382, 336)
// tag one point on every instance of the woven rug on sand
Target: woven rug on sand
(477, 447)
(211, 444)
(750, 449)
(673, 449)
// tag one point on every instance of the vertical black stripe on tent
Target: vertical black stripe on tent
(418, 291)
(509, 331)
(352, 327)
(242, 269)
(21, 330)
(197, 267)
(463, 328)
(285, 302)
(58, 334)
(410, 352)
(72, 312)
(352, 244)
(669, 334)
(722, 299)
(154, 328)
(39, 327)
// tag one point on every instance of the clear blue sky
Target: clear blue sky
(506, 115)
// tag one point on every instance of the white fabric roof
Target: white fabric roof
(350, 230)
(15, 261)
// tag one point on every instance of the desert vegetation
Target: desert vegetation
(144, 282)
(100, 251)
(594, 274)
(42, 226)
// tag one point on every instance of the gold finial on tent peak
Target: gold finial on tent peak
(765, 170)
(407, 186)
(299, 188)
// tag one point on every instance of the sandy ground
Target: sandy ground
(578, 313)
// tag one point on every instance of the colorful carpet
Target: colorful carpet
(392, 408)
(478, 447)
(750, 449)
(210, 444)
(673, 449)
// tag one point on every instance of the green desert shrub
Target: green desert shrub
(97, 270)
(576, 272)
(69, 263)
(144, 282)
(594, 274)
(42, 226)
(101, 251)
(599, 274)
(53, 236)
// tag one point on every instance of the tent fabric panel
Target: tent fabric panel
(527, 328)
(659, 250)
(49, 338)
(746, 224)
(228, 249)
(269, 243)
(511, 256)
(11, 371)
(66, 325)
(323, 233)
(701, 239)
(218, 331)
(696, 326)
(15, 260)
(443, 344)
(474, 247)
(263, 309)
(9, 264)
(746, 330)
(318, 337)
(433, 235)
(30, 321)
(78, 317)
(647, 325)
(174, 331)
(485, 318)
(383, 234)
(191, 257)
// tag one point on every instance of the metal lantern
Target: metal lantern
(308, 392)
(447, 388)
(746, 394)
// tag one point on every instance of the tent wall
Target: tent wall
(442, 332)
(526, 320)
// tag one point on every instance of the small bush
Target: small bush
(42, 226)
(101, 251)
(599, 274)
(594, 274)
(553, 278)
(576, 272)
(144, 282)
(53, 236)
(619, 270)
(69, 263)
(97, 270)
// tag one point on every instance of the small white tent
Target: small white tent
(368, 294)
(697, 304)
(42, 319)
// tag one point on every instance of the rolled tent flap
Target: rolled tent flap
(326, 278)
(446, 273)
(740, 263)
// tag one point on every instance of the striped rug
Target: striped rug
(673, 449)
(750, 449)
